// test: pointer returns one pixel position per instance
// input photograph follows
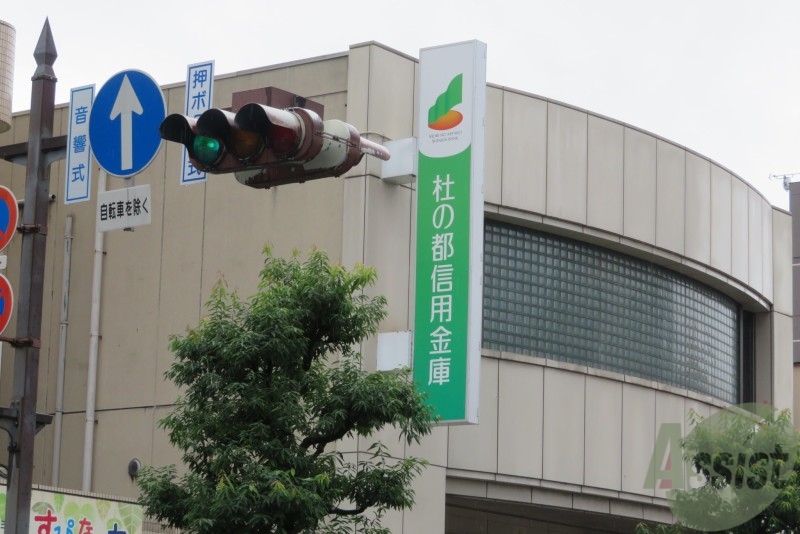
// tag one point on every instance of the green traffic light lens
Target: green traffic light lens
(207, 150)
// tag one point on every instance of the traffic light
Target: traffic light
(266, 146)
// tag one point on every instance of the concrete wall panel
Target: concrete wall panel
(740, 230)
(433, 448)
(354, 220)
(755, 236)
(603, 463)
(524, 153)
(796, 396)
(638, 437)
(493, 183)
(670, 196)
(698, 208)
(783, 366)
(567, 155)
(358, 84)
(392, 79)
(766, 251)
(180, 298)
(117, 441)
(129, 325)
(604, 175)
(782, 276)
(564, 429)
(669, 409)
(474, 447)
(428, 512)
(764, 364)
(387, 249)
(640, 186)
(520, 419)
(721, 219)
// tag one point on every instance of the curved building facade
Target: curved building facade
(628, 281)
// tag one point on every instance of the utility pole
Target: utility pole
(21, 420)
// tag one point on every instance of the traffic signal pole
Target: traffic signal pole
(30, 292)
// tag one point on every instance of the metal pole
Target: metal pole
(30, 291)
(94, 348)
(62, 352)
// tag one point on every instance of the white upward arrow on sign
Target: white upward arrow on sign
(126, 104)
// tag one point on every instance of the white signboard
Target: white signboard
(123, 208)
(79, 151)
(199, 86)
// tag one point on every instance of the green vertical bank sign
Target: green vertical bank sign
(449, 248)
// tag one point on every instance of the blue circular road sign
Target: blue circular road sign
(123, 125)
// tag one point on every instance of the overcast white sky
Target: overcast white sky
(718, 76)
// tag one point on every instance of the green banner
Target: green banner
(442, 287)
(449, 244)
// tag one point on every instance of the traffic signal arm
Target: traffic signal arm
(370, 148)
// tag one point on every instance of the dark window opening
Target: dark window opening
(748, 357)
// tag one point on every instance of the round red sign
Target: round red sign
(6, 302)
(9, 215)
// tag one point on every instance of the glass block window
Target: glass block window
(570, 301)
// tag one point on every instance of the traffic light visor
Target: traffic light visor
(179, 129)
(288, 133)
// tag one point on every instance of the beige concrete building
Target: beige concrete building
(628, 280)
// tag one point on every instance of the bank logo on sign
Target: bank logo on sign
(442, 116)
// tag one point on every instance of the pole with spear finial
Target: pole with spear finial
(30, 290)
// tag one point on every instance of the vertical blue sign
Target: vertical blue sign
(199, 87)
(79, 150)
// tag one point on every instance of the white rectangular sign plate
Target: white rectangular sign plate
(123, 208)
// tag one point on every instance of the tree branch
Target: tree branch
(338, 511)
(324, 439)
(321, 440)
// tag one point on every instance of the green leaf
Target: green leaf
(58, 501)
(41, 508)
(103, 507)
(76, 511)
(131, 515)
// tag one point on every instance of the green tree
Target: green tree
(270, 383)
(740, 480)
